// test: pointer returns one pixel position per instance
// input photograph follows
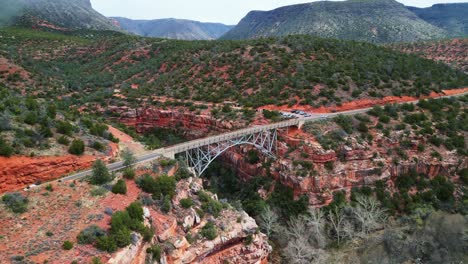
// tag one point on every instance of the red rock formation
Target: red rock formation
(18, 172)
(194, 126)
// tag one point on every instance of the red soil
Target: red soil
(363, 103)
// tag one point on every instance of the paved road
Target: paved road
(172, 150)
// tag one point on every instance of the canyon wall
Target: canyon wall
(353, 166)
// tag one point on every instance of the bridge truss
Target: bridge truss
(200, 158)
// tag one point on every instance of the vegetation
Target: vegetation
(186, 203)
(16, 202)
(161, 186)
(100, 174)
(122, 223)
(67, 245)
(77, 147)
(209, 231)
(392, 22)
(120, 187)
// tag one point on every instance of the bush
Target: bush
(105, 243)
(63, 140)
(135, 211)
(209, 231)
(16, 202)
(155, 252)
(122, 237)
(120, 187)
(167, 205)
(49, 187)
(186, 203)
(67, 245)
(90, 234)
(129, 173)
(98, 146)
(163, 185)
(64, 128)
(77, 147)
(5, 149)
(100, 173)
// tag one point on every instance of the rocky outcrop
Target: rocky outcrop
(18, 172)
(234, 229)
(194, 126)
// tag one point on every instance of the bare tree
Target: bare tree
(317, 226)
(299, 251)
(368, 214)
(305, 238)
(268, 221)
(341, 228)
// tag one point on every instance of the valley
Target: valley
(325, 132)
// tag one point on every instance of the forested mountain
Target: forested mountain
(285, 70)
(54, 14)
(173, 28)
(375, 21)
(450, 17)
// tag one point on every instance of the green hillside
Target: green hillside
(88, 67)
(375, 21)
(54, 14)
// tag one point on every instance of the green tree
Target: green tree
(120, 187)
(100, 174)
(77, 147)
(128, 158)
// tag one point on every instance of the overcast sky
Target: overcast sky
(224, 11)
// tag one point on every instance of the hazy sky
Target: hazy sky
(224, 11)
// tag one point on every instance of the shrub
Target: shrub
(5, 149)
(129, 173)
(122, 237)
(90, 234)
(163, 185)
(67, 245)
(98, 191)
(49, 187)
(100, 173)
(64, 127)
(77, 147)
(105, 243)
(98, 146)
(120, 187)
(96, 260)
(63, 140)
(155, 252)
(135, 211)
(166, 206)
(186, 203)
(16, 202)
(209, 231)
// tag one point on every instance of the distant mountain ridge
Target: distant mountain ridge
(451, 17)
(55, 14)
(173, 28)
(375, 21)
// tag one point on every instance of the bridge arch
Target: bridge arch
(200, 158)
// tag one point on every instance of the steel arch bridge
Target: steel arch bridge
(201, 157)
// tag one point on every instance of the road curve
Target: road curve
(226, 136)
